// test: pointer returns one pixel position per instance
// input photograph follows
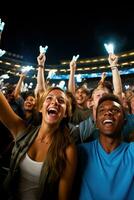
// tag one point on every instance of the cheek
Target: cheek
(120, 120)
(132, 103)
(97, 122)
(64, 108)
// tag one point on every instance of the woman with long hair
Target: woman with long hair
(44, 158)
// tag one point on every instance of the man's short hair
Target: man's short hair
(110, 97)
(86, 90)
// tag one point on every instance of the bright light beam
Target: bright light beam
(26, 69)
(2, 52)
(109, 48)
(43, 49)
(2, 24)
(75, 58)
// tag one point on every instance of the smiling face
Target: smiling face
(110, 118)
(54, 107)
(81, 97)
(29, 103)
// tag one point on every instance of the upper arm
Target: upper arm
(9, 118)
(67, 179)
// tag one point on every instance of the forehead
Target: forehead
(110, 103)
(100, 91)
(30, 97)
(81, 90)
(56, 92)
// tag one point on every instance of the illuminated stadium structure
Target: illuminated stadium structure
(88, 70)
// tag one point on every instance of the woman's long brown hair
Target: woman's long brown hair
(56, 156)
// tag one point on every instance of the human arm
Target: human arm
(117, 84)
(67, 179)
(18, 87)
(71, 82)
(41, 85)
(9, 118)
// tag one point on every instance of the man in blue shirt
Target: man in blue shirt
(106, 165)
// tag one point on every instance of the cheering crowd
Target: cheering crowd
(60, 144)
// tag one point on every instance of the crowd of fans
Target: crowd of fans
(57, 144)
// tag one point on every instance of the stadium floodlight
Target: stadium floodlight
(2, 24)
(75, 58)
(5, 76)
(51, 74)
(2, 52)
(26, 69)
(43, 49)
(109, 48)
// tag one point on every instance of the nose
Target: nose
(108, 112)
(54, 100)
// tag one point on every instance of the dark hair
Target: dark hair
(27, 94)
(72, 100)
(10, 88)
(85, 89)
(110, 97)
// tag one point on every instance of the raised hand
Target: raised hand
(41, 59)
(73, 63)
(113, 59)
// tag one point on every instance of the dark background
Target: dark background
(69, 30)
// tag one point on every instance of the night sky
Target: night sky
(69, 32)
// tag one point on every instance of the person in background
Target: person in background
(44, 158)
(82, 94)
(131, 103)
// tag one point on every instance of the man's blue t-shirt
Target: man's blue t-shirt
(105, 176)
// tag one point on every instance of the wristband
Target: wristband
(41, 66)
(113, 67)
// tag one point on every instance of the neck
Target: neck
(46, 129)
(94, 113)
(28, 114)
(109, 143)
(45, 134)
(82, 106)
